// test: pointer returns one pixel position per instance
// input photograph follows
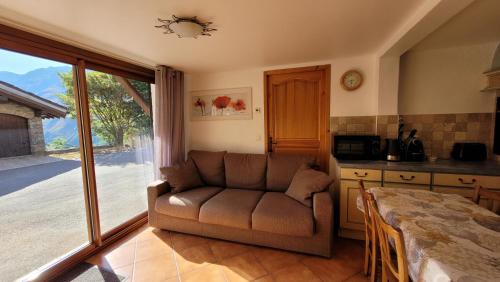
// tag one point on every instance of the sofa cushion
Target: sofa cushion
(210, 166)
(185, 204)
(182, 177)
(282, 167)
(231, 207)
(306, 182)
(280, 214)
(245, 171)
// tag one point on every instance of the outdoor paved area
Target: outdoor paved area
(42, 207)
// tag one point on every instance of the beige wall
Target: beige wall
(248, 135)
(449, 80)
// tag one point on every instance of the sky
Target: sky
(21, 64)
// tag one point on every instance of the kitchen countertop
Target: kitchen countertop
(445, 166)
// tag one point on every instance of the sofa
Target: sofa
(243, 200)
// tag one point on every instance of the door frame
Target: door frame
(324, 125)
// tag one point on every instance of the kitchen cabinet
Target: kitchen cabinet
(351, 219)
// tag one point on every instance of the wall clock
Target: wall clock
(351, 80)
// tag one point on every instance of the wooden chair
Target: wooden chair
(398, 266)
(370, 235)
(492, 197)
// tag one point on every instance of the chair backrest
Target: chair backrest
(492, 197)
(365, 196)
(387, 234)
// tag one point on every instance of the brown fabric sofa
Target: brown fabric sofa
(244, 201)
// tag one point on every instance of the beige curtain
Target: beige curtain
(168, 117)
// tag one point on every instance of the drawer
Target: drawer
(365, 174)
(407, 177)
(462, 191)
(466, 180)
(407, 186)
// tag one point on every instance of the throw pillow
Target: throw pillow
(306, 182)
(182, 177)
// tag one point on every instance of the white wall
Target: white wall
(449, 80)
(248, 135)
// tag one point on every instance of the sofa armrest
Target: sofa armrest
(322, 206)
(155, 189)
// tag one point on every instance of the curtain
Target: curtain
(168, 118)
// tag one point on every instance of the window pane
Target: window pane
(122, 143)
(42, 207)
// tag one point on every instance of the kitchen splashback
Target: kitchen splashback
(437, 131)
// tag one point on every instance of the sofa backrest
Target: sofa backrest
(272, 172)
(282, 167)
(245, 171)
(210, 166)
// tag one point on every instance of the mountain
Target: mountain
(46, 83)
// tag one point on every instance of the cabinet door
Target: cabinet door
(407, 186)
(350, 216)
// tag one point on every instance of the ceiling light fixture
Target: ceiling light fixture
(186, 27)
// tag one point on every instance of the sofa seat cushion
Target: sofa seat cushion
(280, 214)
(245, 171)
(185, 204)
(231, 207)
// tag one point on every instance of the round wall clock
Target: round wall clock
(351, 80)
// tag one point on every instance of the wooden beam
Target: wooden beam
(134, 94)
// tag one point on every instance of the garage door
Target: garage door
(14, 136)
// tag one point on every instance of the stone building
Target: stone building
(21, 114)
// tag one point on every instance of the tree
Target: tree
(59, 143)
(114, 114)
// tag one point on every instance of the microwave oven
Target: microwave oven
(356, 147)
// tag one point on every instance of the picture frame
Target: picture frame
(221, 104)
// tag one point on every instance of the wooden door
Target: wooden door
(14, 136)
(298, 112)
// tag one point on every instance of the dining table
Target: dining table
(447, 237)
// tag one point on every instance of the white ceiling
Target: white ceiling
(251, 34)
(478, 23)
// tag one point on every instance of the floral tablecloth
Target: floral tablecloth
(447, 237)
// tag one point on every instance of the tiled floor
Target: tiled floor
(155, 255)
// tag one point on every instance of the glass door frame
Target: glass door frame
(21, 41)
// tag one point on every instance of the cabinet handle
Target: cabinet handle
(357, 174)
(407, 178)
(463, 182)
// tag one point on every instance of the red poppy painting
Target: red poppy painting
(220, 104)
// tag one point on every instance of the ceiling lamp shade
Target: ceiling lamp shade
(186, 27)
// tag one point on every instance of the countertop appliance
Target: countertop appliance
(356, 147)
(469, 152)
(413, 148)
(393, 148)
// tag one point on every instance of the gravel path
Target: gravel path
(42, 208)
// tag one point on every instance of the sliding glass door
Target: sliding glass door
(120, 117)
(76, 155)
(43, 207)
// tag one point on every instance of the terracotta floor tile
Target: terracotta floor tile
(273, 260)
(267, 278)
(155, 269)
(115, 257)
(151, 254)
(152, 248)
(295, 273)
(244, 267)
(182, 241)
(209, 273)
(224, 249)
(195, 257)
(346, 261)
(358, 277)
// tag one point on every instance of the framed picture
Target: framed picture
(221, 104)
